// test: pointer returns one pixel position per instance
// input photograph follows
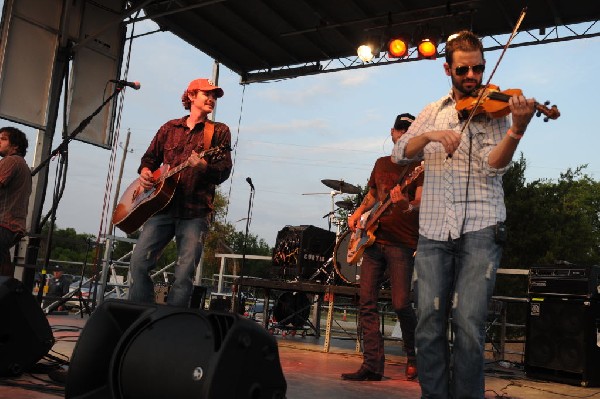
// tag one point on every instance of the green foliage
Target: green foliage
(68, 246)
(550, 221)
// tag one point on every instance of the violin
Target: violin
(494, 103)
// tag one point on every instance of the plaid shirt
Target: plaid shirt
(445, 192)
(173, 145)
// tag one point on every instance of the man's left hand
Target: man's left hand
(397, 197)
(196, 161)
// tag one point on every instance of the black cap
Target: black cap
(403, 121)
(56, 268)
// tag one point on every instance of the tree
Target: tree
(548, 222)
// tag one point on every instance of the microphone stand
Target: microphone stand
(62, 149)
(239, 286)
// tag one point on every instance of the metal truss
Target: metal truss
(491, 43)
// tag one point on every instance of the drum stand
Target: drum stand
(327, 268)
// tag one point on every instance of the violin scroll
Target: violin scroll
(549, 113)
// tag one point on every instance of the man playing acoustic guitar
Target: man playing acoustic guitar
(396, 235)
(187, 215)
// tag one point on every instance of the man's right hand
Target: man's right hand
(449, 139)
(353, 220)
(146, 178)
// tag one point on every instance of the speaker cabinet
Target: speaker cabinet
(25, 334)
(563, 340)
(300, 250)
(133, 350)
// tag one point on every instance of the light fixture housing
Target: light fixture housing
(365, 53)
(427, 48)
(397, 47)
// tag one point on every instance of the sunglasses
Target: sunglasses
(463, 70)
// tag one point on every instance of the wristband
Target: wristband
(409, 209)
(513, 135)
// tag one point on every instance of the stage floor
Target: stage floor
(311, 373)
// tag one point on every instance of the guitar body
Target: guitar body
(363, 236)
(137, 205)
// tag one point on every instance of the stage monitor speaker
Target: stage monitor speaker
(300, 250)
(25, 334)
(562, 343)
(134, 350)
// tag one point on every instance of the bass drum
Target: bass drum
(348, 272)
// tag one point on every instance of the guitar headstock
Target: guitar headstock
(216, 153)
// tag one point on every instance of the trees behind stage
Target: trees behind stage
(551, 221)
(547, 221)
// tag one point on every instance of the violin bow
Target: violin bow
(487, 84)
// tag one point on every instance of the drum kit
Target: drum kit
(337, 268)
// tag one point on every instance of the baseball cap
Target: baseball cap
(205, 85)
(403, 121)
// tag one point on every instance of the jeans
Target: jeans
(157, 232)
(399, 260)
(8, 239)
(454, 278)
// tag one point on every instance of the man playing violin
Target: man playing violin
(461, 228)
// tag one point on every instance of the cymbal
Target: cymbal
(341, 186)
(345, 204)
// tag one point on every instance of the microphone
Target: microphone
(249, 180)
(133, 85)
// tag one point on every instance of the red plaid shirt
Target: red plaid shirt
(172, 145)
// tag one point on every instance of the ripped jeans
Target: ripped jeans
(455, 279)
(156, 234)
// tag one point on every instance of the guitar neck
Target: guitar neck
(374, 217)
(175, 170)
(182, 166)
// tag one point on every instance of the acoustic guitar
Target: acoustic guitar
(364, 235)
(137, 204)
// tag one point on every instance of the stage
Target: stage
(310, 372)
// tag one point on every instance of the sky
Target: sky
(294, 133)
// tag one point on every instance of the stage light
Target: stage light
(365, 53)
(427, 48)
(397, 47)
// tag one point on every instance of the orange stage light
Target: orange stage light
(427, 49)
(397, 48)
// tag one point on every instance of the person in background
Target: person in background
(188, 214)
(461, 224)
(58, 286)
(15, 189)
(395, 242)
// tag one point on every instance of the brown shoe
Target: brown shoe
(411, 369)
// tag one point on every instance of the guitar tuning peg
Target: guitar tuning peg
(538, 113)
(546, 103)
(546, 119)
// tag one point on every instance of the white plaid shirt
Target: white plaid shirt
(480, 206)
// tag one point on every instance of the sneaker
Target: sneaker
(362, 375)
(411, 369)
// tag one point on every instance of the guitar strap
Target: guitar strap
(209, 129)
(403, 173)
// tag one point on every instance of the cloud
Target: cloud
(354, 78)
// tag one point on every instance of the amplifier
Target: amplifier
(300, 250)
(565, 280)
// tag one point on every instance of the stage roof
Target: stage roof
(264, 40)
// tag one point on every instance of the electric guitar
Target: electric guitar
(137, 204)
(364, 235)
